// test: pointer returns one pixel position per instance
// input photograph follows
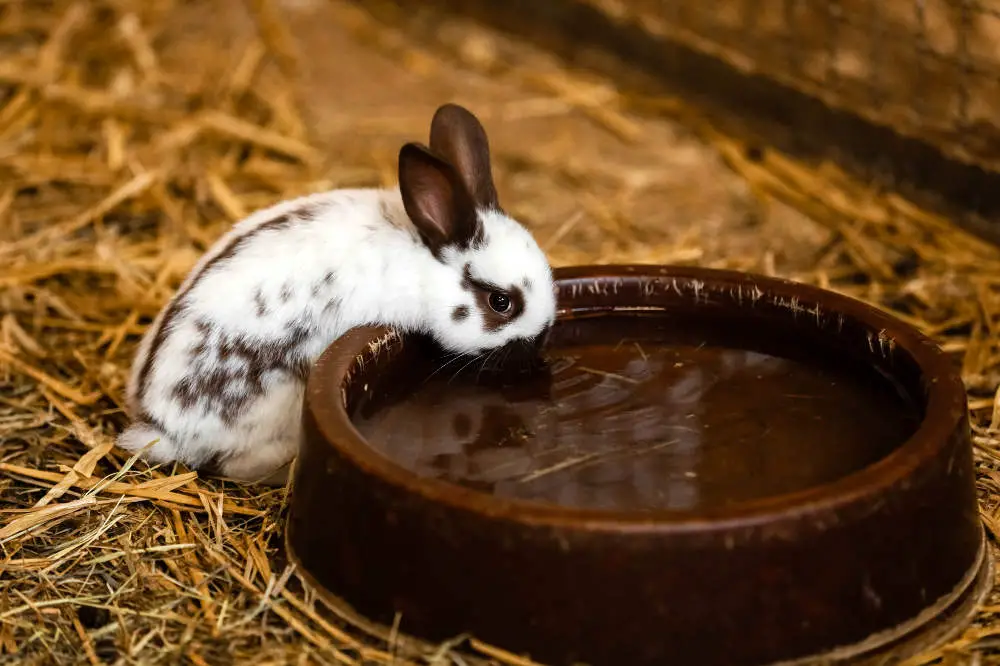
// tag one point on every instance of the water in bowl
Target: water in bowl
(643, 413)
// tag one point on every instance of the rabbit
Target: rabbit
(218, 379)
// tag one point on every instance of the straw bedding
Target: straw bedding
(134, 132)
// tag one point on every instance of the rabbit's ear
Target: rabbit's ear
(436, 200)
(460, 138)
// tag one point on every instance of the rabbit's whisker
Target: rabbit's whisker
(485, 363)
(455, 356)
(462, 369)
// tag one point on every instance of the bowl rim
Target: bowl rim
(946, 411)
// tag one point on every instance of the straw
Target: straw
(134, 133)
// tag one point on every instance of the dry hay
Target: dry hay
(119, 168)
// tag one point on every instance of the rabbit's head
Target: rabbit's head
(497, 290)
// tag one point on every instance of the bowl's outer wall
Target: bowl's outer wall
(756, 593)
(751, 596)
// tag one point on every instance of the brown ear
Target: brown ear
(458, 137)
(435, 199)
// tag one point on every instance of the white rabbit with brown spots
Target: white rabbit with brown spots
(219, 377)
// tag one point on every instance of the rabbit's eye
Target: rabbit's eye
(499, 302)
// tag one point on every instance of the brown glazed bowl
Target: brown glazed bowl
(885, 561)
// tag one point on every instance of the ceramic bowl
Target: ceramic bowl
(884, 560)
